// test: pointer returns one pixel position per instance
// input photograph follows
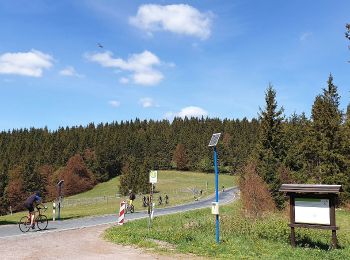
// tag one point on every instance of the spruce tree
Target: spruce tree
(329, 164)
(270, 150)
(346, 152)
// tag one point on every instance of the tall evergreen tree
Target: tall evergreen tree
(328, 162)
(269, 150)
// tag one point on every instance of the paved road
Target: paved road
(13, 230)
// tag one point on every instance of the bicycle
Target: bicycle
(129, 208)
(40, 220)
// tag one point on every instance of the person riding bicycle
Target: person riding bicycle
(32, 201)
(132, 197)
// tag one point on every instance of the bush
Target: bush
(77, 177)
(255, 194)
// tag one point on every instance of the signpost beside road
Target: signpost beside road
(215, 208)
(152, 179)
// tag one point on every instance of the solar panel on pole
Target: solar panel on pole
(214, 139)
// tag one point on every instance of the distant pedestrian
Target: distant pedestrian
(223, 188)
(144, 201)
(160, 200)
(200, 192)
(166, 199)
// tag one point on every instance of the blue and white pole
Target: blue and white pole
(213, 142)
(216, 194)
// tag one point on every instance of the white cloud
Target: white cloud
(141, 65)
(70, 72)
(190, 111)
(114, 103)
(150, 77)
(180, 19)
(147, 102)
(30, 63)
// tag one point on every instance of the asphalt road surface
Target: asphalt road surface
(12, 231)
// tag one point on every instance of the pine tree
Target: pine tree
(329, 164)
(270, 151)
(346, 153)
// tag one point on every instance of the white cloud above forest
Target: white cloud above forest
(190, 111)
(31, 64)
(178, 18)
(141, 65)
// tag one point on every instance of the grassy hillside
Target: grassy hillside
(102, 199)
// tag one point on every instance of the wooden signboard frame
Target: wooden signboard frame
(312, 191)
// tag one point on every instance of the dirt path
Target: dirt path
(84, 243)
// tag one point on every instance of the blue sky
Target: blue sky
(162, 59)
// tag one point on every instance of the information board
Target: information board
(312, 211)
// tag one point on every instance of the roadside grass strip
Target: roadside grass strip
(193, 232)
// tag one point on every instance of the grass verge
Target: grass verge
(241, 238)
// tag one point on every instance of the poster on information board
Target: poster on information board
(312, 211)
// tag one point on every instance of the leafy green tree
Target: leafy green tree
(270, 150)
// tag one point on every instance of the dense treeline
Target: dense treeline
(36, 159)
(294, 149)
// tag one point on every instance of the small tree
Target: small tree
(77, 177)
(180, 157)
(255, 194)
(134, 177)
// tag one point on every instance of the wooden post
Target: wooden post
(292, 220)
(333, 223)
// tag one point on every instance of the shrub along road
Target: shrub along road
(9, 231)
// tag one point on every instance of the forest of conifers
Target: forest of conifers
(286, 149)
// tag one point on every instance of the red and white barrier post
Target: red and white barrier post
(121, 213)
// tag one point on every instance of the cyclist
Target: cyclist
(132, 197)
(32, 201)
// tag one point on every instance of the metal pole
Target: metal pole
(216, 193)
(53, 211)
(59, 210)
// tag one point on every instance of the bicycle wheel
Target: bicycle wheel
(24, 224)
(41, 222)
